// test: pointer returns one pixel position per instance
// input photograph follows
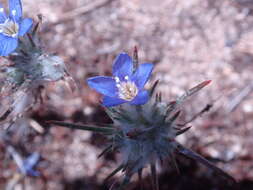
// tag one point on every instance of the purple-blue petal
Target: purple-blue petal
(25, 26)
(110, 101)
(141, 98)
(122, 66)
(104, 85)
(7, 45)
(142, 74)
(2, 14)
(33, 173)
(15, 5)
(30, 163)
(32, 160)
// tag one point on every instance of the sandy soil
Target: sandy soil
(188, 41)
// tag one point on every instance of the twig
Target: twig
(234, 103)
(36, 126)
(81, 11)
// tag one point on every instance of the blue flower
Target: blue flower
(29, 163)
(12, 26)
(26, 166)
(125, 85)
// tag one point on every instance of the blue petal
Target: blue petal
(109, 101)
(7, 45)
(33, 173)
(2, 15)
(15, 5)
(25, 25)
(122, 66)
(141, 98)
(31, 161)
(142, 74)
(104, 85)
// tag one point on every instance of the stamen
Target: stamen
(9, 28)
(117, 79)
(127, 90)
(13, 12)
(1, 10)
(126, 77)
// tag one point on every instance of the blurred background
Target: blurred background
(189, 42)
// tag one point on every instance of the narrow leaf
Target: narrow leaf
(174, 162)
(198, 87)
(114, 172)
(83, 127)
(140, 179)
(193, 155)
(152, 90)
(171, 106)
(158, 97)
(181, 131)
(174, 117)
(124, 183)
(106, 150)
(192, 91)
(205, 109)
(35, 28)
(154, 177)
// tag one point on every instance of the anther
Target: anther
(117, 79)
(127, 90)
(126, 77)
(13, 12)
(1, 10)
(9, 28)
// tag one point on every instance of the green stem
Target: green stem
(155, 184)
(97, 129)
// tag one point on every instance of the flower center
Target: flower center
(127, 89)
(9, 28)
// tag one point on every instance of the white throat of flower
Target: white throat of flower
(127, 90)
(9, 28)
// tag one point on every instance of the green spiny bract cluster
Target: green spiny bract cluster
(30, 62)
(24, 73)
(146, 134)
